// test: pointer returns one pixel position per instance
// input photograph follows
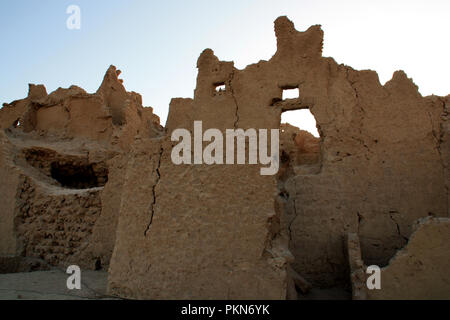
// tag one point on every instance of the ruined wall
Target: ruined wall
(380, 164)
(442, 135)
(41, 215)
(9, 178)
(417, 271)
(221, 231)
(299, 153)
(381, 161)
(185, 234)
(380, 167)
(420, 270)
(201, 231)
(63, 157)
(56, 225)
(13, 112)
(102, 241)
(379, 174)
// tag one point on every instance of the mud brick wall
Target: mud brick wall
(56, 225)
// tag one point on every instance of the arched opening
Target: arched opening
(77, 176)
(302, 119)
(17, 124)
(72, 172)
(219, 87)
(299, 143)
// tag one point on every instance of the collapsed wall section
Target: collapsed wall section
(10, 181)
(381, 165)
(219, 231)
(63, 159)
(381, 170)
(417, 271)
(420, 270)
(377, 168)
(55, 225)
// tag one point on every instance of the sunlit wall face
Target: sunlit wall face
(156, 43)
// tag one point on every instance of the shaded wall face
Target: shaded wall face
(84, 117)
(383, 163)
(10, 114)
(201, 231)
(381, 170)
(201, 236)
(10, 179)
(56, 226)
(420, 270)
(52, 207)
(417, 271)
(62, 164)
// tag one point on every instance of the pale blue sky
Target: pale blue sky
(156, 43)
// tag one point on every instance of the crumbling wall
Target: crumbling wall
(221, 231)
(299, 152)
(63, 158)
(102, 240)
(420, 270)
(379, 173)
(380, 163)
(55, 225)
(417, 271)
(442, 136)
(9, 178)
(79, 217)
(112, 116)
(201, 231)
(12, 113)
(377, 167)
(70, 171)
(183, 233)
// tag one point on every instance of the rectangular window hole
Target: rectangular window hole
(219, 87)
(291, 93)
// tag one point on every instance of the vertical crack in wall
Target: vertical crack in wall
(292, 220)
(158, 177)
(439, 140)
(295, 210)
(361, 109)
(398, 226)
(445, 115)
(230, 80)
(360, 219)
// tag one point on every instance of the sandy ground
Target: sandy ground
(326, 294)
(51, 285)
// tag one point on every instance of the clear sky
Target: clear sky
(156, 43)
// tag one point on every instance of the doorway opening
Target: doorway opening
(300, 142)
(302, 119)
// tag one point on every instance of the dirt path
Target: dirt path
(51, 285)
